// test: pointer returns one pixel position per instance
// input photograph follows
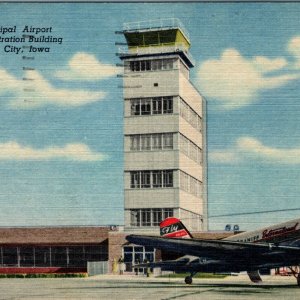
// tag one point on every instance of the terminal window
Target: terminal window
(48, 256)
(137, 254)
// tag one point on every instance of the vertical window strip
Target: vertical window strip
(156, 179)
(145, 142)
(168, 212)
(190, 149)
(157, 106)
(145, 179)
(187, 113)
(184, 70)
(135, 180)
(167, 140)
(167, 178)
(190, 184)
(135, 143)
(157, 141)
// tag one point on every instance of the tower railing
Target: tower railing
(156, 24)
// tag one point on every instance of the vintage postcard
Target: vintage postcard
(148, 144)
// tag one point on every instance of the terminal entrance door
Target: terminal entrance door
(137, 254)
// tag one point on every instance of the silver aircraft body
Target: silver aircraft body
(267, 248)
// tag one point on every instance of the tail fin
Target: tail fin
(173, 228)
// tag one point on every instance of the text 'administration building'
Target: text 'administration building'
(164, 128)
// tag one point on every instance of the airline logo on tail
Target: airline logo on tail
(173, 228)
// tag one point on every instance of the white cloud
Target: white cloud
(79, 152)
(265, 64)
(39, 92)
(294, 49)
(85, 67)
(249, 148)
(235, 81)
(226, 156)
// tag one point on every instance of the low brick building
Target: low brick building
(68, 249)
(51, 249)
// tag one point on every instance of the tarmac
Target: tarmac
(134, 287)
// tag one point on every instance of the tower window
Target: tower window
(151, 106)
(135, 107)
(157, 216)
(187, 113)
(190, 184)
(168, 141)
(146, 142)
(155, 141)
(190, 149)
(145, 179)
(146, 217)
(168, 178)
(135, 180)
(157, 106)
(157, 179)
(168, 105)
(149, 216)
(151, 179)
(151, 65)
(145, 106)
(135, 142)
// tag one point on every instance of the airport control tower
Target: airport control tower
(164, 128)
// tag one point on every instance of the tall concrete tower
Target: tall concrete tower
(164, 128)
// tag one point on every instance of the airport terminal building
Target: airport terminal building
(164, 162)
(70, 249)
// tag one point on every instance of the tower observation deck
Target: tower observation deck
(164, 128)
(157, 37)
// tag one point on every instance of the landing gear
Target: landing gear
(298, 279)
(188, 279)
(296, 273)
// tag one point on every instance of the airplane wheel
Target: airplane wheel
(188, 280)
(298, 279)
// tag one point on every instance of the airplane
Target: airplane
(267, 248)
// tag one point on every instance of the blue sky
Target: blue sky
(61, 146)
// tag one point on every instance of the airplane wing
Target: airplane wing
(170, 264)
(241, 254)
